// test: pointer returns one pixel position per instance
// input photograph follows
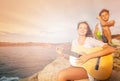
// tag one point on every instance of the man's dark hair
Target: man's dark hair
(103, 10)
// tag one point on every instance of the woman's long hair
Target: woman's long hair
(89, 32)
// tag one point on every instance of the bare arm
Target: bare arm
(104, 24)
(105, 51)
(109, 24)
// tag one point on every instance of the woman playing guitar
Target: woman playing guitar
(84, 43)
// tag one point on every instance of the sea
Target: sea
(18, 62)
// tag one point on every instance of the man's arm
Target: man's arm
(104, 24)
(110, 23)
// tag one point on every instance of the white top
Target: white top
(89, 43)
(100, 28)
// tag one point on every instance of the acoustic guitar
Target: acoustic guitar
(100, 68)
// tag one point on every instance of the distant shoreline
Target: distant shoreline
(117, 36)
(23, 44)
(4, 44)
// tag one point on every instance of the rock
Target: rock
(116, 55)
(49, 73)
(52, 69)
(116, 36)
(116, 65)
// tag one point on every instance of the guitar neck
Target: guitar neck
(71, 53)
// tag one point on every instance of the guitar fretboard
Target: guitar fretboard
(72, 53)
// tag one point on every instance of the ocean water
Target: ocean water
(22, 61)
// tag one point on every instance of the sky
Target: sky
(51, 21)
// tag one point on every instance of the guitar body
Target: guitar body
(105, 64)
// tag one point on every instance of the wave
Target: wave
(4, 78)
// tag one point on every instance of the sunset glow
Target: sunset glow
(50, 20)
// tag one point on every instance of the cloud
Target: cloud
(50, 20)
